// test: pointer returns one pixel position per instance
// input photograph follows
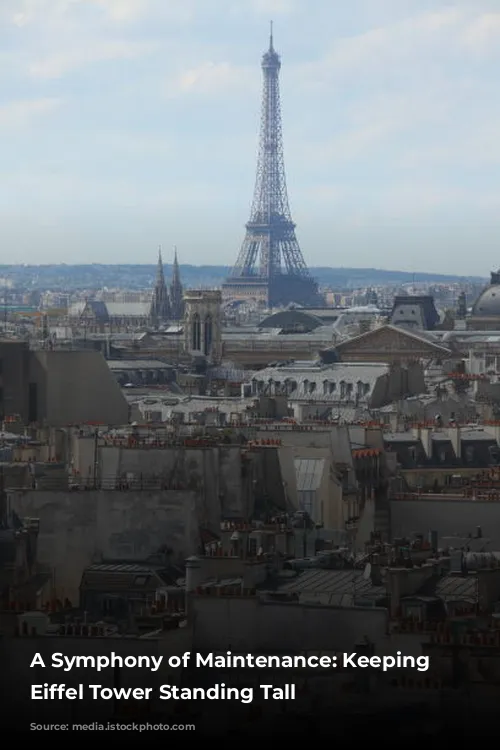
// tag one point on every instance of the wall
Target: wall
(14, 375)
(79, 528)
(287, 471)
(246, 623)
(213, 473)
(61, 375)
(447, 517)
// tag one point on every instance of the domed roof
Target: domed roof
(487, 304)
(290, 319)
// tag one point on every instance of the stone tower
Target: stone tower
(160, 304)
(202, 324)
(461, 313)
(176, 291)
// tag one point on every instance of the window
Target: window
(469, 454)
(196, 333)
(490, 362)
(207, 344)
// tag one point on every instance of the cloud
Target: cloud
(18, 114)
(385, 49)
(212, 79)
(26, 12)
(483, 33)
(123, 10)
(72, 58)
(273, 7)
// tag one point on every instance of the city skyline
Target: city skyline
(126, 124)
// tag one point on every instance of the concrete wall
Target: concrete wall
(287, 469)
(14, 376)
(79, 528)
(210, 472)
(250, 625)
(447, 517)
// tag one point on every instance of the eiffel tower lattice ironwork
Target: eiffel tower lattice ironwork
(270, 265)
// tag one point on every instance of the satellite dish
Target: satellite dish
(367, 571)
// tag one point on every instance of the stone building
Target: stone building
(202, 326)
(485, 314)
(160, 305)
(102, 316)
(414, 312)
(58, 387)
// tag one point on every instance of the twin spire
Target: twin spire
(167, 305)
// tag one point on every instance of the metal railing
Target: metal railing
(141, 483)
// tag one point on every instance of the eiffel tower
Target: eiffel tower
(270, 266)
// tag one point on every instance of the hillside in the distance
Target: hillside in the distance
(140, 276)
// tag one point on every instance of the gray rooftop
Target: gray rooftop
(137, 364)
(336, 587)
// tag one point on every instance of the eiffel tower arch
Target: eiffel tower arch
(270, 267)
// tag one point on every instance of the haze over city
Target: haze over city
(126, 124)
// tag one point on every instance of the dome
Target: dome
(292, 321)
(487, 304)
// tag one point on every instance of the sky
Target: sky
(126, 124)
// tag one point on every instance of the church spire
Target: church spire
(176, 290)
(160, 276)
(160, 304)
